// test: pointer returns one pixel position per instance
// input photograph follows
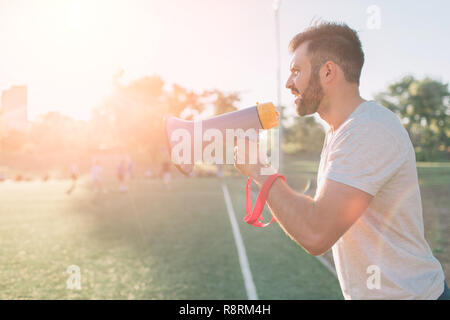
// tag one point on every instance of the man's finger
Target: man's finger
(248, 150)
(239, 156)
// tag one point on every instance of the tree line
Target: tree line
(130, 121)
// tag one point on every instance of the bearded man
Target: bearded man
(367, 207)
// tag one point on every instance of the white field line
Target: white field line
(243, 260)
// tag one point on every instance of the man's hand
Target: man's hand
(248, 160)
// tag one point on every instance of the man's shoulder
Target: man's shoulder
(382, 115)
(371, 117)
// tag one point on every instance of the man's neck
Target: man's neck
(338, 108)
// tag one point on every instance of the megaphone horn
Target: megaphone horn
(187, 140)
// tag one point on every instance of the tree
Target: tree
(53, 133)
(304, 135)
(182, 101)
(130, 119)
(423, 107)
(13, 141)
(222, 102)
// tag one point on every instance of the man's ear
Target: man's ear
(328, 72)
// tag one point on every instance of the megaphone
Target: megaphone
(187, 140)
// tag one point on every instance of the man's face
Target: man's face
(304, 82)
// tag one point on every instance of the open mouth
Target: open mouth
(297, 96)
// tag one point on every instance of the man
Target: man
(74, 173)
(367, 206)
(122, 176)
(130, 167)
(96, 174)
(165, 172)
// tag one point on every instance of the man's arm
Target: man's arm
(315, 224)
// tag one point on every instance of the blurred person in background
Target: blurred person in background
(165, 171)
(122, 176)
(74, 173)
(96, 175)
(130, 167)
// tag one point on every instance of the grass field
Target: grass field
(152, 243)
(147, 244)
(434, 179)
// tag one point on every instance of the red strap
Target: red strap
(254, 218)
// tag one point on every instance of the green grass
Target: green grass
(157, 244)
(148, 244)
(434, 179)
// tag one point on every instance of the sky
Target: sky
(67, 51)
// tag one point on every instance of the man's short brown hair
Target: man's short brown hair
(336, 42)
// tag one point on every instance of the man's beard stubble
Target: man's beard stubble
(312, 96)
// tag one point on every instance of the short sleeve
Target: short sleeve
(364, 157)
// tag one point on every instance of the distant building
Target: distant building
(14, 110)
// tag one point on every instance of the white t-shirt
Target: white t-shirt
(372, 151)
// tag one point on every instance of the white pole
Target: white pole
(276, 7)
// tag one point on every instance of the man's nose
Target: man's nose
(289, 83)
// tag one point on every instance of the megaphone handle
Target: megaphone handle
(254, 217)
